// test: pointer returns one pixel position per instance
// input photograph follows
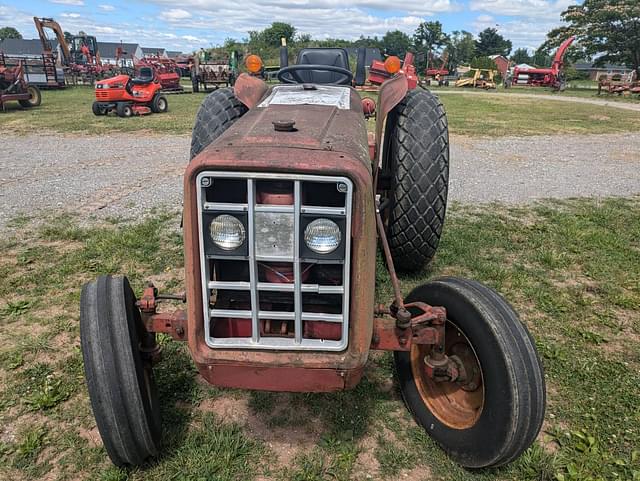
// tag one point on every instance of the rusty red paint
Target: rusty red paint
(280, 378)
(249, 90)
(172, 323)
(391, 94)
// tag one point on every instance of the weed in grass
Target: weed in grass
(393, 457)
(31, 444)
(48, 395)
(17, 308)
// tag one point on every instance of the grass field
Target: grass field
(69, 111)
(572, 270)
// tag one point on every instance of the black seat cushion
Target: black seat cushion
(337, 57)
(145, 76)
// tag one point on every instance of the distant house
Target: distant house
(109, 53)
(174, 54)
(154, 52)
(29, 48)
(606, 69)
(502, 63)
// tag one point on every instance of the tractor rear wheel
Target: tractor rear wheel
(119, 377)
(217, 112)
(124, 109)
(494, 414)
(35, 97)
(418, 166)
(159, 104)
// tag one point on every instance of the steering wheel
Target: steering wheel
(291, 74)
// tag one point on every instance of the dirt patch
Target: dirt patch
(367, 465)
(285, 442)
(602, 118)
(419, 473)
(91, 435)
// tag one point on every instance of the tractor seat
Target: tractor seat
(323, 56)
(145, 77)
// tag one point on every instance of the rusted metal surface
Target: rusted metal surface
(172, 323)
(399, 302)
(249, 89)
(326, 141)
(317, 127)
(425, 328)
(284, 378)
(391, 94)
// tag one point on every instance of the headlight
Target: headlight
(322, 236)
(227, 232)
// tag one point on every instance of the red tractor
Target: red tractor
(130, 96)
(285, 205)
(437, 74)
(552, 77)
(14, 87)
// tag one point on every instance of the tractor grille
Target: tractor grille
(273, 291)
(102, 95)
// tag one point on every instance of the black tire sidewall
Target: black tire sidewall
(483, 443)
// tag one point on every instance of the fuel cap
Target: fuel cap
(284, 125)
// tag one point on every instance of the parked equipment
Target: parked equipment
(621, 84)
(552, 77)
(128, 96)
(437, 74)
(13, 87)
(210, 74)
(379, 71)
(166, 70)
(482, 78)
(285, 204)
(81, 60)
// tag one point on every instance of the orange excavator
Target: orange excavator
(80, 57)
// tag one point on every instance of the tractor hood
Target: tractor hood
(318, 117)
(119, 80)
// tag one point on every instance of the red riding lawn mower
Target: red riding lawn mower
(130, 96)
(286, 202)
(379, 72)
(14, 87)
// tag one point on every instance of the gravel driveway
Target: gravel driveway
(126, 175)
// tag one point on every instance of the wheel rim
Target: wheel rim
(162, 104)
(456, 404)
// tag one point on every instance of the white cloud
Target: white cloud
(175, 15)
(107, 8)
(550, 9)
(76, 3)
(70, 15)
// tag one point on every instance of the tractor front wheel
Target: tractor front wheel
(124, 109)
(97, 109)
(417, 163)
(159, 104)
(217, 112)
(35, 97)
(119, 376)
(494, 413)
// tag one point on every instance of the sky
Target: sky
(188, 25)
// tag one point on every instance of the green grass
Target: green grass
(571, 269)
(69, 111)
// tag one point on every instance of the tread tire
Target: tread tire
(217, 112)
(514, 393)
(123, 399)
(419, 162)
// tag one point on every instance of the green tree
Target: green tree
(396, 43)
(427, 40)
(272, 35)
(67, 36)
(461, 48)
(521, 55)
(608, 29)
(541, 57)
(490, 42)
(9, 32)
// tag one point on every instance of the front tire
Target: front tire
(418, 164)
(496, 415)
(35, 97)
(124, 110)
(119, 379)
(217, 112)
(159, 104)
